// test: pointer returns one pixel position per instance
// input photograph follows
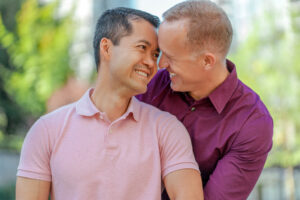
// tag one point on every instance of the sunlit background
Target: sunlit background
(46, 60)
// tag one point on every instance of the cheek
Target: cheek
(186, 72)
(155, 69)
(180, 68)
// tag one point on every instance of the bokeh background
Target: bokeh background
(46, 60)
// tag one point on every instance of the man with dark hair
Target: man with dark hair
(230, 127)
(115, 24)
(108, 145)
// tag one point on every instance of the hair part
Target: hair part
(209, 27)
(115, 24)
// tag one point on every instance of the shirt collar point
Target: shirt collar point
(222, 94)
(85, 106)
(134, 108)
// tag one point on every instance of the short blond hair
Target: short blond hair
(209, 26)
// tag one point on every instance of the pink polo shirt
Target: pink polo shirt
(87, 157)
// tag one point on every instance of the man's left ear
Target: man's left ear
(105, 48)
(209, 61)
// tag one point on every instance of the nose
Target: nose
(150, 61)
(163, 61)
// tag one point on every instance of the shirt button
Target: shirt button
(193, 108)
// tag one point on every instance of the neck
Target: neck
(216, 77)
(109, 100)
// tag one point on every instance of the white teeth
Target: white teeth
(142, 73)
(172, 74)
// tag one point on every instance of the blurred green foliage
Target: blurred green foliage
(34, 61)
(8, 10)
(8, 192)
(269, 62)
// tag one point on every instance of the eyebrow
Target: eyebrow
(144, 41)
(148, 44)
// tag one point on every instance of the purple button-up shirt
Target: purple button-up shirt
(231, 132)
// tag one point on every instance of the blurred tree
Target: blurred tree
(8, 10)
(11, 115)
(268, 61)
(34, 61)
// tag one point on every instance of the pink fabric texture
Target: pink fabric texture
(87, 157)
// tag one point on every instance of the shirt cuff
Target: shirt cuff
(172, 168)
(33, 175)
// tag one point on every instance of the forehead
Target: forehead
(172, 35)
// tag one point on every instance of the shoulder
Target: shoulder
(252, 101)
(163, 122)
(59, 113)
(257, 122)
(151, 111)
(54, 120)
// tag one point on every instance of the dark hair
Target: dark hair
(209, 26)
(115, 24)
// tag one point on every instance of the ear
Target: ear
(105, 48)
(209, 61)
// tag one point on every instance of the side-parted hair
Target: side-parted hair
(116, 23)
(209, 26)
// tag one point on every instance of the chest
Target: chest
(102, 154)
(212, 133)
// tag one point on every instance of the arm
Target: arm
(184, 184)
(32, 189)
(180, 172)
(237, 172)
(34, 174)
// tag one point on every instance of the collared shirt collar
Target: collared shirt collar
(221, 95)
(134, 108)
(86, 107)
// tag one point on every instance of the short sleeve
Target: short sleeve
(175, 147)
(35, 155)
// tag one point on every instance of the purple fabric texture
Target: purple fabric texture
(231, 132)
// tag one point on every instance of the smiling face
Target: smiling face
(133, 62)
(186, 68)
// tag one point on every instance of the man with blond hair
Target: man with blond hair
(230, 127)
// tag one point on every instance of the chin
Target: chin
(140, 90)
